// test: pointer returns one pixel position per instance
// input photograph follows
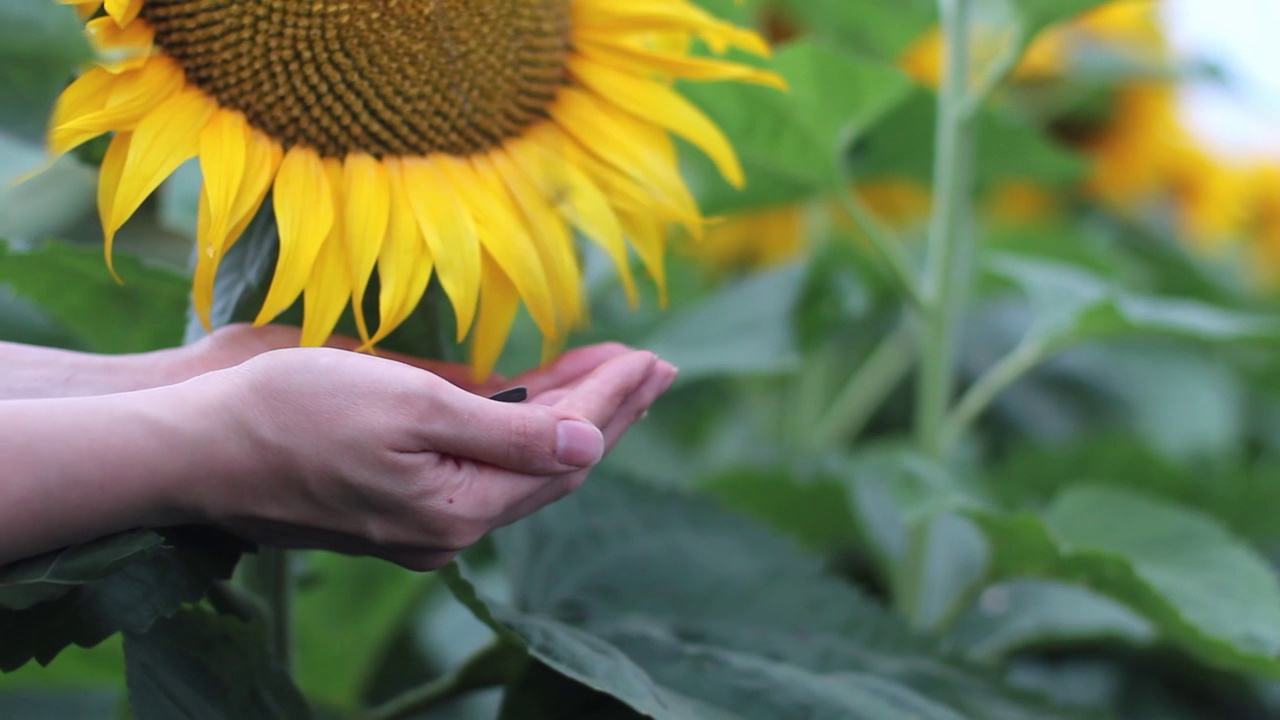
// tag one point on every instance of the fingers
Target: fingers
(569, 368)
(636, 406)
(659, 380)
(534, 439)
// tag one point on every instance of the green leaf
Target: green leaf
(658, 619)
(540, 693)
(1009, 148)
(52, 575)
(1073, 305)
(1028, 614)
(789, 142)
(351, 609)
(1207, 591)
(200, 666)
(745, 328)
(72, 285)
(22, 322)
(811, 507)
(47, 705)
(77, 601)
(884, 29)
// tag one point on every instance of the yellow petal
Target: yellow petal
(100, 101)
(649, 238)
(450, 233)
(238, 164)
(329, 287)
(578, 198)
(404, 265)
(499, 302)
(554, 240)
(660, 105)
(123, 11)
(162, 142)
(505, 236)
(108, 180)
(605, 49)
(367, 199)
(636, 17)
(637, 149)
(303, 201)
(120, 48)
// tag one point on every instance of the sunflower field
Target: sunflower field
(974, 304)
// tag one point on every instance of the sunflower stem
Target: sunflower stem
(493, 665)
(886, 242)
(882, 370)
(995, 73)
(1024, 358)
(947, 265)
(267, 576)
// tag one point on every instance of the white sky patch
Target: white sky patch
(1242, 117)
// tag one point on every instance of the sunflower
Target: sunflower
(469, 139)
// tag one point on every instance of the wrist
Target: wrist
(208, 421)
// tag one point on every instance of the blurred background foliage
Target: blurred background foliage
(1098, 540)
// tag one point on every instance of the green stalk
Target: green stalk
(855, 404)
(1012, 367)
(493, 665)
(267, 576)
(886, 243)
(946, 282)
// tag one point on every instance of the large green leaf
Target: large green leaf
(1010, 148)
(84, 595)
(200, 666)
(1029, 614)
(52, 575)
(813, 506)
(73, 286)
(884, 29)
(715, 609)
(46, 705)
(789, 142)
(1074, 305)
(745, 328)
(351, 609)
(1205, 590)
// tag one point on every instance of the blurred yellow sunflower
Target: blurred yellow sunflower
(464, 138)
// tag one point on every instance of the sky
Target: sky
(1242, 120)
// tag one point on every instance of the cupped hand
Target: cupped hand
(232, 345)
(366, 455)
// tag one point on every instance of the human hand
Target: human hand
(234, 344)
(365, 455)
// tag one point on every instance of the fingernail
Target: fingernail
(578, 444)
(671, 372)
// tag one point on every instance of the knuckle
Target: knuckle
(531, 439)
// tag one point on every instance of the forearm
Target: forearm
(28, 372)
(76, 469)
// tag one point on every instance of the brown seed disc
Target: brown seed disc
(385, 77)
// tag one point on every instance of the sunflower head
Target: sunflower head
(466, 140)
